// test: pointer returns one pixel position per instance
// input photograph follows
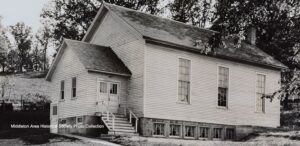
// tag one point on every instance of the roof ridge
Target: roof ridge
(204, 29)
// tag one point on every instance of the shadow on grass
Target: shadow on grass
(34, 136)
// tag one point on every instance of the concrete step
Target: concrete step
(124, 130)
(117, 122)
(122, 127)
(121, 124)
(122, 133)
(116, 119)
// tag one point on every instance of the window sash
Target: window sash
(223, 77)
(175, 130)
(159, 129)
(62, 90)
(229, 133)
(222, 96)
(190, 131)
(74, 84)
(54, 110)
(204, 132)
(103, 87)
(79, 120)
(113, 89)
(217, 132)
(260, 91)
(184, 80)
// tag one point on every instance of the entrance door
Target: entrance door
(108, 95)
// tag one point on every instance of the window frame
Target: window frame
(61, 121)
(263, 110)
(111, 85)
(79, 118)
(62, 92)
(221, 133)
(228, 86)
(208, 129)
(195, 129)
(233, 134)
(190, 82)
(72, 88)
(53, 110)
(164, 131)
(180, 130)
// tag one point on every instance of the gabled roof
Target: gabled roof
(180, 35)
(94, 58)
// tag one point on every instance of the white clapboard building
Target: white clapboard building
(147, 75)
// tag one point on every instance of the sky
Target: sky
(27, 11)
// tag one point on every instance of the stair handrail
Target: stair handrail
(131, 113)
(107, 116)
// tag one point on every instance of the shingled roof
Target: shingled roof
(94, 58)
(172, 32)
(98, 58)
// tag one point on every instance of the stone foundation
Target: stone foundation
(86, 127)
(146, 128)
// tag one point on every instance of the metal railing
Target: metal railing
(131, 115)
(107, 113)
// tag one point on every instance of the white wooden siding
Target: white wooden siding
(160, 99)
(69, 66)
(113, 32)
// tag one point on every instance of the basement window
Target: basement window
(159, 129)
(63, 121)
(204, 132)
(229, 133)
(79, 120)
(175, 130)
(189, 131)
(217, 133)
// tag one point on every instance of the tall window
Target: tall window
(62, 90)
(260, 91)
(184, 80)
(223, 86)
(74, 87)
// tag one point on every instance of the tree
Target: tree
(4, 46)
(37, 57)
(12, 61)
(43, 37)
(196, 12)
(278, 33)
(22, 36)
(71, 18)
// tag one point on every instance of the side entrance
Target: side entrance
(108, 95)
